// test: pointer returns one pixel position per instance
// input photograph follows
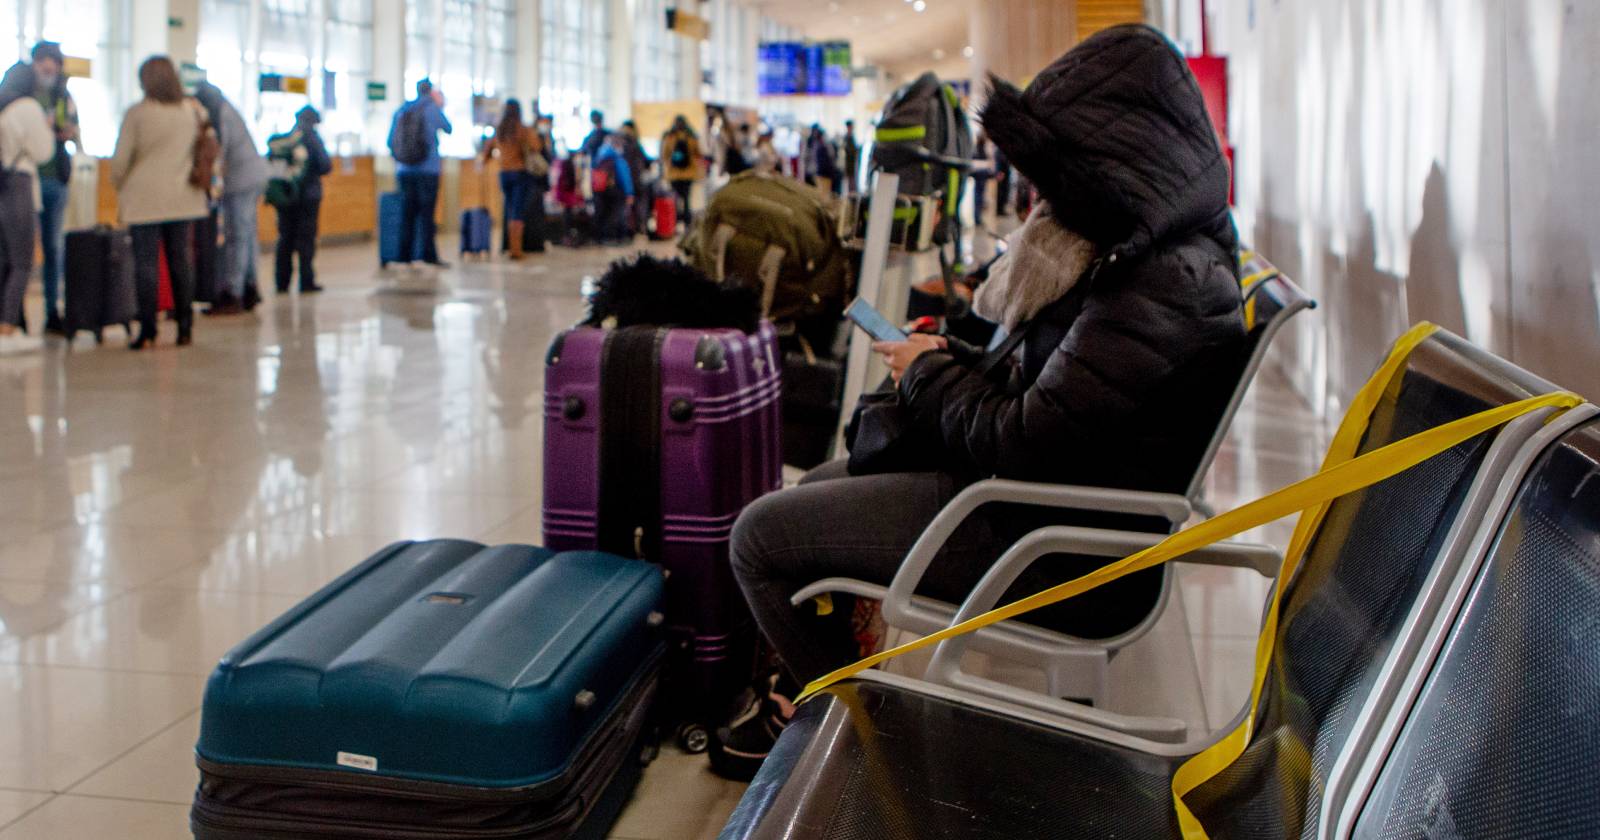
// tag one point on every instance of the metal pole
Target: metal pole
(874, 257)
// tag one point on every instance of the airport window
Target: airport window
(657, 54)
(730, 54)
(286, 42)
(347, 118)
(574, 75)
(85, 29)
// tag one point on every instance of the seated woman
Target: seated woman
(1125, 290)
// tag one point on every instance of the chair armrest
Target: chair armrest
(1263, 559)
(898, 608)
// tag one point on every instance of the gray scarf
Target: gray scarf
(1043, 263)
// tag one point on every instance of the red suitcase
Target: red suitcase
(164, 299)
(655, 440)
(666, 214)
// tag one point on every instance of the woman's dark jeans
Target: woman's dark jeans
(149, 241)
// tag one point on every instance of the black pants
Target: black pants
(419, 196)
(681, 189)
(177, 240)
(611, 216)
(297, 235)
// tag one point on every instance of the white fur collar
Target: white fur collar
(1043, 263)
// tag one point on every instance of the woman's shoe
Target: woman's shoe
(143, 341)
(739, 747)
(185, 337)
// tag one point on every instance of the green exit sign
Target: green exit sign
(377, 91)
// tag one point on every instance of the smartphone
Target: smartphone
(870, 319)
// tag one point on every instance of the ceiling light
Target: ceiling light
(938, 55)
(967, 51)
(833, 7)
(919, 5)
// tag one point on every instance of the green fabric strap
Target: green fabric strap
(899, 135)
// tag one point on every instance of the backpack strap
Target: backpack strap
(719, 249)
(771, 265)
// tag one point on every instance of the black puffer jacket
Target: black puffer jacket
(1126, 390)
(1116, 137)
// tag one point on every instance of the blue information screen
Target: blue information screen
(792, 68)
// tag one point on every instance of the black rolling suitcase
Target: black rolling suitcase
(207, 260)
(99, 277)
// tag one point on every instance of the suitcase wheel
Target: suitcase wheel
(693, 738)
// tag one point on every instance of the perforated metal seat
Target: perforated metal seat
(1504, 737)
(1076, 667)
(1374, 572)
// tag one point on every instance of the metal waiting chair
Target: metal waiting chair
(1494, 734)
(1076, 667)
(890, 757)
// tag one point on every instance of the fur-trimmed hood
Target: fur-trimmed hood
(1116, 136)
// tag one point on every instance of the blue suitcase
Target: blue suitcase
(438, 690)
(475, 228)
(389, 212)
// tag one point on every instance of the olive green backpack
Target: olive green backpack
(777, 235)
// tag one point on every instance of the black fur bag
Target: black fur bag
(669, 293)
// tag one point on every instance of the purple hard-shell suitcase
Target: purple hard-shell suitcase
(655, 440)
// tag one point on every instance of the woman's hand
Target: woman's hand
(899, 355)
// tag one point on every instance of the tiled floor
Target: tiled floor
(157, 507)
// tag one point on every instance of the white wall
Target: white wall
(1423, 159)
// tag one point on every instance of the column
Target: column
(621, 88)
(529, 51)
(183, 30)
(1014, 39)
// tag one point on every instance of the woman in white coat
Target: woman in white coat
(26, 141)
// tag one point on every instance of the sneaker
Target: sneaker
(739, 747)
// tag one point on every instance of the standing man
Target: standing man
(852, 157)
(638, 170)
(244, 177)
(414, 142)
(50, 88)
(597, 135)
(299, 204)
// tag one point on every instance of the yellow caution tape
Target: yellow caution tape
(1248, 285)
(1342, 472)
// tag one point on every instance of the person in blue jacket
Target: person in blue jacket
(613, 190)
(414, 141)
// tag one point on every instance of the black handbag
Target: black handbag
(881, 436)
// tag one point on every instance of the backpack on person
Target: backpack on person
(680, 153)
(603, 175)
(287, 170)
(409, 144)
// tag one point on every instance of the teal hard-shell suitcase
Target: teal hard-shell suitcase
(439, 690)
